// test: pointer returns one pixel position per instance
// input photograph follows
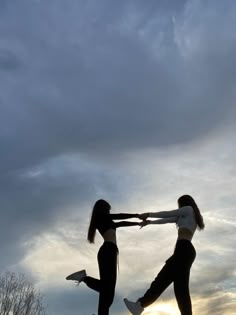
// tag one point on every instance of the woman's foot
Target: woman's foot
(77, 276)
(135, 308)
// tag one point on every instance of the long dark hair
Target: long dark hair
(100, 207)
(187, 200)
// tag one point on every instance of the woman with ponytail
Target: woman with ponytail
(102, 221)
(177, 268)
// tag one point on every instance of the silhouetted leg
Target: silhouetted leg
(184, 262)
(107, 258)
(92, 283)
(181, 288)
(164, 278)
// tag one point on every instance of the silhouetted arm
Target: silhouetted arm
(123, 216)
(165, 214)
(168, 214)
(126, 223)
(163, 221)
(159, 221)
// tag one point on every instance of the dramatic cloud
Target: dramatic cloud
(132, 101)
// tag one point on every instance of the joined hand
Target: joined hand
(143, 216)
(144, 223)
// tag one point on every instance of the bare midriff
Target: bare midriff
(110, 236)
(185, 234)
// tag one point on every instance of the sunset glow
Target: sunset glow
(162, 309)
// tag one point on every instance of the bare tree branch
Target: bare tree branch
(19, 297)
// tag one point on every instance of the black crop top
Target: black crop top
(105, 222)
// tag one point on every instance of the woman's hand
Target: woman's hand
(144, 216)
(144, 223)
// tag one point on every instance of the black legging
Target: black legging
(177, 270)
(107, 261)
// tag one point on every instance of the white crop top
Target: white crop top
(184, 218)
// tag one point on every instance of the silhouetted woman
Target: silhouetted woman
(102, 220)
(177, 267)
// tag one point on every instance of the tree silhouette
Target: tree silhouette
(18, 296)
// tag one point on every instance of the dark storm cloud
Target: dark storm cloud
(91, 81)
(32, 199)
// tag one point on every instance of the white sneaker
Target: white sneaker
(77, 276)
(135, 308)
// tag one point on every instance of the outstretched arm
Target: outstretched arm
(159, 221)
(166, 214)
(123, 216)
(126, 223)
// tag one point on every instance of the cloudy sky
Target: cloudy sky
(131, 101)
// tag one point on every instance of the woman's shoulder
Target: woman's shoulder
(186, 210)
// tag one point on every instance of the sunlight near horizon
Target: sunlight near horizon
(167, 309)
